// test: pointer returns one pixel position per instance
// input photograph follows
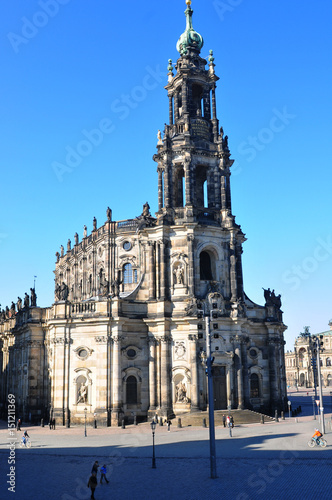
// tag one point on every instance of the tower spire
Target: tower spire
(190, 38)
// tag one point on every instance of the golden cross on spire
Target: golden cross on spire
(188, 2)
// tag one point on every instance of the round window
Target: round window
(131, 353)
(83, 353)
(127, 245)
(253, 353)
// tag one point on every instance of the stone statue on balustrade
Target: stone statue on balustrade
(26, 301)
(33, 297)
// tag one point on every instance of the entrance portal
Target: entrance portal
(219, 388)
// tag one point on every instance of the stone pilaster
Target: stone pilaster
(152, 271)
(194, 372)
(117, 382)
(152, 374)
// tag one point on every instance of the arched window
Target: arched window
(254, 385)
(129, 275)
(131, 390)
(328, 361)
(205, 266)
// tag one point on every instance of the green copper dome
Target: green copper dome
(190, 38)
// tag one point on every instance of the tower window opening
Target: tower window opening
(205, 194)
(179, 188)
(201, 191)
(197, 101)
(205, 266)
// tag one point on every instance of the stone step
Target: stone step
(239, 416)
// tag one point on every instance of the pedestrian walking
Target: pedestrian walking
(224, 420)
(228, 420)
(18, 424)
(169, 423)
(103, 471)
(95, 467)
(232, 421)
(92, 484)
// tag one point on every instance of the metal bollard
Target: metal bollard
(276, 416)
(123, 424)
(179, 423)
(262, 419)
(42, 422)
(135, 420)
(282, 416)
(204, 422)
(95, 423)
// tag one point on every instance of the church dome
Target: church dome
(190, 38)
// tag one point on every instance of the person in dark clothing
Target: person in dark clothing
(92, 484)
(224, 420)
(19, 424)
(95, 468)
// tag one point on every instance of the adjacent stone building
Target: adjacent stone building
(299, 368)
(125, 335)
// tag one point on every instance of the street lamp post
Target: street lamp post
(85, 410)
(322, 421)
(313, 406)
(153, 428)
(209, 361)
(289, 406)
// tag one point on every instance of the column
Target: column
(233, 270)
(210, 189)
(223, 192)
(191, 270)
(184, 98)
(152, 270)
(116, 389)
(152, 373)
(217, 188)
(176, 107)
(167, 185)
(214, 107)
(194, 372)
(187, 172)
(160, 189)
(165, 376)
(239, 377)
(229, 385)
(170, 109)
(162, 270)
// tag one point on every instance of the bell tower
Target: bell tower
(193, 156)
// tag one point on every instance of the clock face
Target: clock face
(127, 245)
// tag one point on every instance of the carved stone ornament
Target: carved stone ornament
(180, 349)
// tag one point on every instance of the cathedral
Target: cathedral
(126, 335)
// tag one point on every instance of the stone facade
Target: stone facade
(299, 370)
(125, 335)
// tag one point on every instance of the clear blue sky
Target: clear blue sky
(68, 68)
